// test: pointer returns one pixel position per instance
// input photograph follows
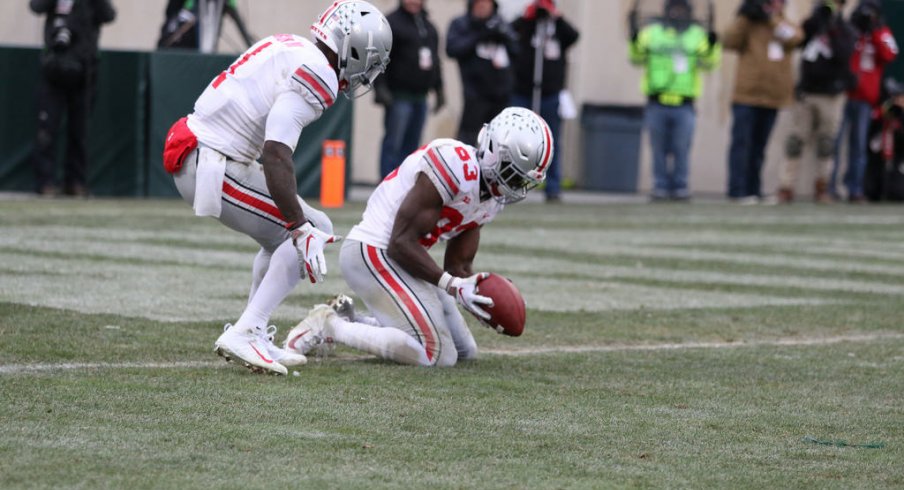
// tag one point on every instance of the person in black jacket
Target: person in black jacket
(484, 45)
(825, 76)
(559, 36)
(413, 72)
(69, 69)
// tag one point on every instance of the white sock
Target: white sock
(280, 279)
(385, 342)
(261, 263)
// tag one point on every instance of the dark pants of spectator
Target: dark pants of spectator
(549, 110)
(403, 123)
(749, 135)
(857, 115)
(53, 102)
(477, 112)
(671, 134)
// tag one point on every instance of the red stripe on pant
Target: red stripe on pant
(423, 325)
(252, 201)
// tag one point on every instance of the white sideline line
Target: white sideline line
(793, 342)
(71, 366)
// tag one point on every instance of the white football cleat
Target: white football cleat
(249, 348)
(282, 356)
(314, 332)
(344, 306)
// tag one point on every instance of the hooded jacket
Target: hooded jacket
(563, 35)
(410, 35)
(486, 72)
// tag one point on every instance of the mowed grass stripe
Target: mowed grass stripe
(13, 369)
(197, 253)
(146, 289)
(698, 259)
(558, 267)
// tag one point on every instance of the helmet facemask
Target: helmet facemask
(506, 181)
(361, 38)
(361, 82)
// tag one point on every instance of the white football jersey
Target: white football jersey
(270, 92)
(452, 167)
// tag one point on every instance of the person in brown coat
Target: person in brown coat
(764, 41)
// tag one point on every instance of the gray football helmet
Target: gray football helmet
(514, 151)
(361, 37)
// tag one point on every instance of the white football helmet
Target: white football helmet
(361, 37)
(514, 151)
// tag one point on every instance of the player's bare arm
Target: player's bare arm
(417, 217)
(460, 253)
(279, 169)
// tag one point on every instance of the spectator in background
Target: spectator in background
(483, 44)
(557, 37)
(884, 176)
(874, 50)
(764, 40)
(69, 72)
(412, 74)
(825, 76)
(179, 28)
(180, 24)
(672, 52)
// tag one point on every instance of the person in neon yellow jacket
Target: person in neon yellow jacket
(673, 51)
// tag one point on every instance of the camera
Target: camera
(62, 35)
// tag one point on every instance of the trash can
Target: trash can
(611, 135)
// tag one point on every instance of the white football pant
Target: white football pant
(420, 324)
(248, 209)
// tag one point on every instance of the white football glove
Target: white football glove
(464, 289)
(310, 242)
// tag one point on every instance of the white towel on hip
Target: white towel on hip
(209, 182)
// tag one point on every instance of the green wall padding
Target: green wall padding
(117, 133)
(19, 67)
(893, 11)
(116, 129)
(139, 95)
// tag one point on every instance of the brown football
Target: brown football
(508, 313)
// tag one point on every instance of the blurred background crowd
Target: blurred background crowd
(756, 100)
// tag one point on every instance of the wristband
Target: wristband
(444, 281)
(293, 225)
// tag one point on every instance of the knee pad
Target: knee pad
(825, 147)
(794, 146)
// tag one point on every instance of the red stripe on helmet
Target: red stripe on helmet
(326, 15)
(547, 138)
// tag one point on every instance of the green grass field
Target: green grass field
(693, 346)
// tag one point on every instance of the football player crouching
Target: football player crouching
(444, 191)
(231, 158)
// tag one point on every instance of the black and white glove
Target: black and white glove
(464, 289)
(310, 243)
